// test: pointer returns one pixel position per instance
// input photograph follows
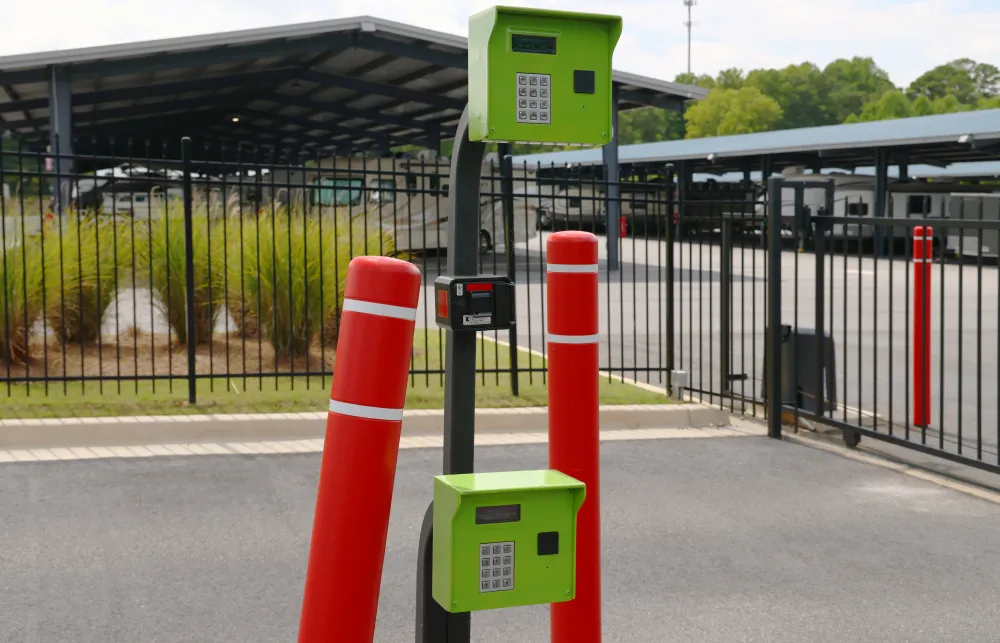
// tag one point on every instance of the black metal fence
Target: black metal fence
(224, 269)
(804, 272)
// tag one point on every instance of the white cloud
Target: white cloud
(905, 37)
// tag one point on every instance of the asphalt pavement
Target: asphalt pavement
(708, 540)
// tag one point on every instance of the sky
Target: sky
(905, 37)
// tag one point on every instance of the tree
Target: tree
(800, 90)
(732, 111)
(853, 83)
(892, 104)
(955, 78)
(731, 78)
(704, 80)
(649, 124)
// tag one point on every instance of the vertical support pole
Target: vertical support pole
(358, 469)
(669, 259)
(574, 427)
(434, 138)
(766, 168)
(820, 227)
(433, 624)
(772, 348)
(881, 195)
(613, 189)
(189, 327)
(61, 133)
(507, 191)
(725, 305)
(922, 256)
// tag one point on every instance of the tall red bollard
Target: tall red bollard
(359, 455)
(923, 252)
(574, 440)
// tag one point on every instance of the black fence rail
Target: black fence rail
(834, 294)
(224, 269)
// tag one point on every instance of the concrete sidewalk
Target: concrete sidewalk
(707, 540)
(124, 431)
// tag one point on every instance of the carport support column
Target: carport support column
(61, 134)
(881, 194)
(434, 139)
(613, 190)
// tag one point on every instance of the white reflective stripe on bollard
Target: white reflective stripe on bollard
(382, 310)
(573, 339)
(365, 412)
(572, 267)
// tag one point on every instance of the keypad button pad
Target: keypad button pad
(536, 88)
(496, 567)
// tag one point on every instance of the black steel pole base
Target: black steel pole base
(434, 624)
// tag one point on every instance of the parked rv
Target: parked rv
(855, 197)
(409, 199)
(973, 242)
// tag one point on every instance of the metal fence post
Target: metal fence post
(772, 341)
(670, 276)
(507, 194)
(189, 268)
(725, 307)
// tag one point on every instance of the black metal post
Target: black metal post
(881, 197)
(612, 186)
(725, 307)
(189, 269)
(434, 624)
(772, 348)
(669, 259)
(820, 293)
(507, 191)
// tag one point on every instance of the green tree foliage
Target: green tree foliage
(732, 111)
(965, 79)
(800, 90)
(851, 84)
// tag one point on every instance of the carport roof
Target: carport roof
(353, 82)
(933, 140)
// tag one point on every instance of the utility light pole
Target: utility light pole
(689, 4)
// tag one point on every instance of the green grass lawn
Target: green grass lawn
(298, 394)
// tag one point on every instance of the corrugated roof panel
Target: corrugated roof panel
(944, 128)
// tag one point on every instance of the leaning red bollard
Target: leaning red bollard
(359, 456)
(922, 257)
(574, 440)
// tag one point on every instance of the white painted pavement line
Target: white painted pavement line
(274, 447)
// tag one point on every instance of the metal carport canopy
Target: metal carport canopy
(354, 83)
(937, 140)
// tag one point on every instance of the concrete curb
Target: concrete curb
(128, 431)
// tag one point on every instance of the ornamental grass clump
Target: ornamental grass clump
(86, 258)
(21, 270)
(295, 269)
(163, 256)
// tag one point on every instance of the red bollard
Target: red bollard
(622, 227)
(923, 252)
(574, 440)
(359, 455)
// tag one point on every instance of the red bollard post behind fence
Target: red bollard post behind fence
(923, 252)
(359, 456)
(574, 440)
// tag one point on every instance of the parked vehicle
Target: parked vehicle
(973, 242)
(409, 199)
(855, 197)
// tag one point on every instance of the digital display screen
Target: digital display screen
(497, 514)
(523, 44)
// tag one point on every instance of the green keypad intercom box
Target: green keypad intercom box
(505, 539)
(541, 76)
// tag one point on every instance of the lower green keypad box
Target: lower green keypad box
(505, 539)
